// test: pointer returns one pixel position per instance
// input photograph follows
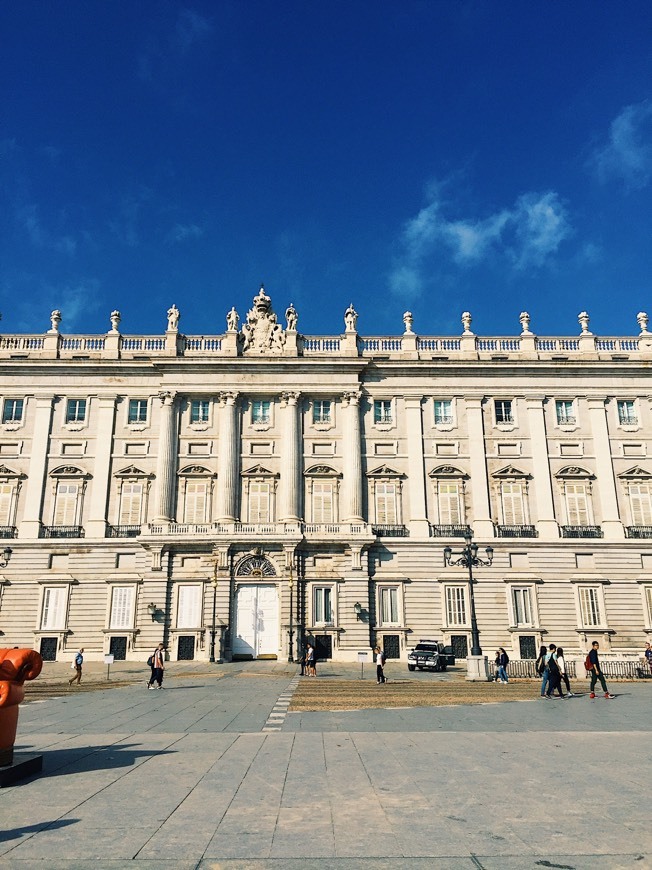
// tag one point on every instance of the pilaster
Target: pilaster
(34, 488)
(419, 526)
(291, 463)
(547, 526)
(612, 526)
(97, 515)
(228, 459)
(483, 526)
(166, 465)
(352, 508)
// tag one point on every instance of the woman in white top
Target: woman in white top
(561, 664)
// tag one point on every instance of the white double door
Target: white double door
(256, 620)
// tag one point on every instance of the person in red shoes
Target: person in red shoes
(596, 671)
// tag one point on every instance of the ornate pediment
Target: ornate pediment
(322, 471)
(132, 471)
(195, 471)
(510, 471)
(635, 473)
(447, 471)
(7, 472)
(575, 471)
(385, 471)
(69, 471)
(262, 333)
(259, 471)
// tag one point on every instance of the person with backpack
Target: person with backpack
(503, 661)
(380, 664)
(562, 670)
(77, 663)
(158, 666)
(596, 671)
(542, 670)
(554, 674)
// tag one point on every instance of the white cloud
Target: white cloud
(191, 27)
(181, 232)
(29, 219)
(627, 154)
(526, 235)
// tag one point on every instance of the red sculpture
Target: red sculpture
(16, 666)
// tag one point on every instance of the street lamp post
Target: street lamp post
(291, 632)
(468, 558)
(214, 585)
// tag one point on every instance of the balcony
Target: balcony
(516, 531)
(448, 531)
(267, 531)
(122, 531)
(390, 531)
(639, 531)
(8, 532)
(61, 532)
(581, 531)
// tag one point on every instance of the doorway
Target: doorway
(256, 621)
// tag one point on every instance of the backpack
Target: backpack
(541, 665)
(506, 660)
(588, 664)
(150, 662)
(553, 667)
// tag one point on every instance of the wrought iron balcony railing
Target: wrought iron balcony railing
(516, 531)
(8, 532)
(122, 531)
(639, 531)
(581, 532)
(383, 530)
(61, 532)
(449, 531)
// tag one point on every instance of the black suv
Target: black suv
(427, 654)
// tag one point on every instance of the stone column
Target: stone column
(290, 459)
(167, 460)
(611, 523)
(352, 458)
(97, 517)
(419, 525)
(228, 460)
(483, 527)
(31, 523)
(546, 523)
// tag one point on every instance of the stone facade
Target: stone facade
(277, 485)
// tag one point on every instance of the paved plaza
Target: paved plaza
(213, 772)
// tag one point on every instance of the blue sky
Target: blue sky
(436, 156)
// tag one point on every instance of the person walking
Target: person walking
(497, 667)
(561, 664)
(158, 666)
(379, 656)
(503, 661)
(554, 674)
(542, 669)
(77, 663)
(310, 660)
(596, 672)
(648, 655)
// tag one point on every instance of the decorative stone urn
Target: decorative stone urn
(16, 666)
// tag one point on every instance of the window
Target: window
(76, 411)
(321, 411)
(66, 503)
(385, 495)
(122, 607)
(6, 503)
(443, 412)
(322, 502)
(512, 503)
(456, 605)
(590, 606)
(194, 505)
(260, 411)
(648, 602)
(259, 502)
(12, 411)
(522, 603)
(640, 502)
(389, 605)
(137, 411)
(627, 413)
(131, 500)
(449, 503)
(53, 617)
(565, 412)
(199, 411)
(189, 606)
(382, 411)
(323, 608)
(503, 408)
(577, 504)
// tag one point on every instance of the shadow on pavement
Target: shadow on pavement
(15, 833)
(65, 762)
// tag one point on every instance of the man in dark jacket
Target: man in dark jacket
(596, 671)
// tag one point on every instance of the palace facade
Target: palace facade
(260, 486)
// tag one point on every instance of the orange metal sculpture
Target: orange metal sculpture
(16, 666)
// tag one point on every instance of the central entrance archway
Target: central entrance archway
(256, 610)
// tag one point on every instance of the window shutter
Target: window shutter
(195, 502)
(65, 513)
(512, 497)
(259, 502)
(641, 507)
(449, 504)
(577, 504)
(130, 504)
(54, 608)
(322, 502)
(386, 504)
(455, 605)
(590, 606)
(189, 608)
(122, 607)
(6, 493)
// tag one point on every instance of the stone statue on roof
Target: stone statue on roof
(262, 333)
